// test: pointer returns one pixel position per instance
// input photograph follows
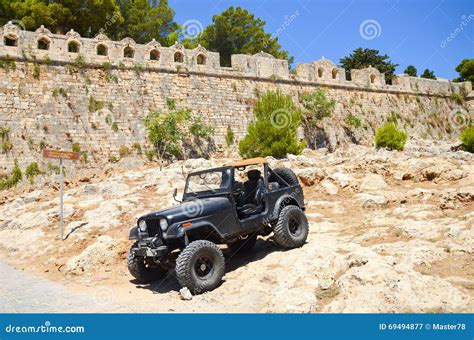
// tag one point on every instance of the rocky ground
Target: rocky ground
(389, 232)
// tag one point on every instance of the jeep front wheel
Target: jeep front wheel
(200, 266)
(291, 229)
(140, 271)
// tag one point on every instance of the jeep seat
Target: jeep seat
(253, 189)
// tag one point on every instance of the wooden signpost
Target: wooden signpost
(67, 155)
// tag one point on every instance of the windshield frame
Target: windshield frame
(226, 190)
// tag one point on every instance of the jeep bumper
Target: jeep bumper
(145, 251)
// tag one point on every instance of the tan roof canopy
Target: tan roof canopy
(245, 162)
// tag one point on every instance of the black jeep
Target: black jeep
(217, 208)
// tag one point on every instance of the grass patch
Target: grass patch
(95, 105)
(115, 127)
(352, 120)
(8, 65)
(36, 71)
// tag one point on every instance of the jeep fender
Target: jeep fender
(178, 231)
(284, 201)
(133, 234)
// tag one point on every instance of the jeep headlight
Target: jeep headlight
(142, 225)
(163, 224)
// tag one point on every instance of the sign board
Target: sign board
(66, 155)
(58, 154)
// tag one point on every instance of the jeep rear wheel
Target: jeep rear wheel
(200, 266)
(140, 271)
(291, 229)
(243, 244)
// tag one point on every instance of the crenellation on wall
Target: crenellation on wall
(322, 71)
(261, 64)
(72, 48)
(402, 82)
(439, 86)
(100, 49)
(368, 77)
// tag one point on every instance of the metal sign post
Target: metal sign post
(68, 155)
(61, 209)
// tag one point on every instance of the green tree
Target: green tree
(147, 20)
(5, 12)
(362, 58)
(411, 71)
(92, 17)
(34, 13)
(84, 16)
(465, 70)
(428, 74)
(388, 136)
(237, 31)
(274, 132)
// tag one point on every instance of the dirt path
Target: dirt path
(22, 292)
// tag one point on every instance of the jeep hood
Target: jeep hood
(192, 209)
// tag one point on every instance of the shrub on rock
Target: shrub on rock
(13, 179)
(32, 171)
(388, 136)
(467, 139)
(274, 132)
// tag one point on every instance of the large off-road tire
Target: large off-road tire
(244, 244)
(140, 271)
(287, 174)
(200, 266)
(291, 229)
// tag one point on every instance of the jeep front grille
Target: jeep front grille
(153, 226)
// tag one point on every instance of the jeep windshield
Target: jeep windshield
(208, 182)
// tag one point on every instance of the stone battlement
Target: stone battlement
(44, 46)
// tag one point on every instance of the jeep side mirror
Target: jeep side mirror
(175, 193)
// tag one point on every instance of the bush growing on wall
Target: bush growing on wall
(229, 137)
(168, 130)
(467, 139)
(353, 120)
(274, 132)
(12, 179)
(32, 170)
(199, 129)
(76, 147)
(316, 107)
(388, 136)
(124, 151)
(164, 132)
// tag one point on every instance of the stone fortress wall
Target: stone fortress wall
(57, 90)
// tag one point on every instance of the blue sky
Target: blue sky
(410, 32)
